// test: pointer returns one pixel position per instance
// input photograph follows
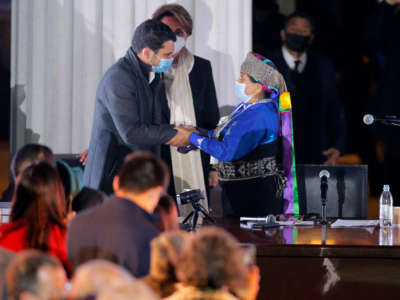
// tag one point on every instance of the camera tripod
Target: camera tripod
(194, 214)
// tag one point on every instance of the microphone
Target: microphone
(324, 175)
(267, 219)
(370, 119)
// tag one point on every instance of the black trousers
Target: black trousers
(253, 197)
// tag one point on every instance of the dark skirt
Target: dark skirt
(252, 197)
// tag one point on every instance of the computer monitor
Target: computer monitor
(347, 190)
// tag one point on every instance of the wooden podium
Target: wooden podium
(320, 262)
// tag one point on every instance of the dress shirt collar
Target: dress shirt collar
(290, 60)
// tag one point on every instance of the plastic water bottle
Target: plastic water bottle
(386, 207)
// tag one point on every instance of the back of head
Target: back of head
(39, 200)
(211, 259)
(168, 212)
(178, 12)
(165, 250)
(134, 290)
(28, 154)
(151, 34)
(92, 277)
(87, 198)
(141, 172)
(22, 273)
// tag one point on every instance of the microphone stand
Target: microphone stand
(324, 189)
(391, 123)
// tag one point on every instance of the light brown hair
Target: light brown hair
(178, 12)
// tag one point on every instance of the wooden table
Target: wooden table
(320, 262)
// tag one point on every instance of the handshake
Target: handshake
(181, 139)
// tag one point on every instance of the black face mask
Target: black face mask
(296, 42)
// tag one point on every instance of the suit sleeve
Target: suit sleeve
(122, 100)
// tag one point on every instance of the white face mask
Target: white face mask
(240, 91)
(179, 44)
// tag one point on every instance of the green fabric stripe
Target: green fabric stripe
(296, 208)
(295, 234)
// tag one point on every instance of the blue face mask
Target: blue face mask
(240, 92)
(164, 65)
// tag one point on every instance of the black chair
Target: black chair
(347, 190)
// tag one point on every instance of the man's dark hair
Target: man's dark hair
(152, 34)
(87, 198)
(141, 172)
(300, 14)
(28, 154)
(22, 272)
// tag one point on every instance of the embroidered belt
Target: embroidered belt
(241, 169)
(245, 170)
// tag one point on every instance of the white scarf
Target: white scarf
(187, 168)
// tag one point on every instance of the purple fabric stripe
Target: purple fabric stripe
(287, 156)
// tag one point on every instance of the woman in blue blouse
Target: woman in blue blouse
(245, 143)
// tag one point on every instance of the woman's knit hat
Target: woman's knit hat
(264, 71)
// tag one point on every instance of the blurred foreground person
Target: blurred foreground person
(94, 276)
(33, 275)
(165, 252)
(211, 265)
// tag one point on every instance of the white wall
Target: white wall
(61, 48)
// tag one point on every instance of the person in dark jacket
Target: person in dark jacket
(187, 95)
(318, 117)
(126, 116)
(122, 228)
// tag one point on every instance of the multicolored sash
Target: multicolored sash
(290, 193)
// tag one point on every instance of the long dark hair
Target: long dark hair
(39, 202)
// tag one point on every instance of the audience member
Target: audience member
(165, 251)
(186, 93)
(135, 290)
(33, 275)
(210, 265)
(25, 156)
(38, 214)
(318, 115)
(87, 198)
(71, 178)
(5, 258)
(168, 212)
(122, 228)
(94, 276)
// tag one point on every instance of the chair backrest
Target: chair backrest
(347, 190)
(5, 210)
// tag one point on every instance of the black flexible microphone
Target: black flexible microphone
(391, 120)
(324, 175)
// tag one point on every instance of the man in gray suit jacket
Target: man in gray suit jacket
(127, 117)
